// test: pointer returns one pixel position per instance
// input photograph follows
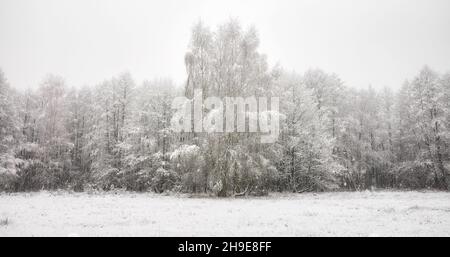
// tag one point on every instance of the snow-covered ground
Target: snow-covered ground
(132, 214)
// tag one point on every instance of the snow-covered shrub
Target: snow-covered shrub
(56, 175)
(7, 181)
(187, 161)
(36, 175)
(139, 171)
(109, 179)
(164, 180)
(245, 173)
(269, 180)
(31, 176)
(415, 175)
(143, 180)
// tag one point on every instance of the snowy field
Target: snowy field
(132, 214)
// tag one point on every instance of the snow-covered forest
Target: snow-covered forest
(117, 134)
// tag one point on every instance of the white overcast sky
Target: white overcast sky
(377, 42)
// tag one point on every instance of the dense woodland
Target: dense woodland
(117, 134)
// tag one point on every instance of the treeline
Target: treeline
(117, 134)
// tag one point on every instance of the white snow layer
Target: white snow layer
(133, 214)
